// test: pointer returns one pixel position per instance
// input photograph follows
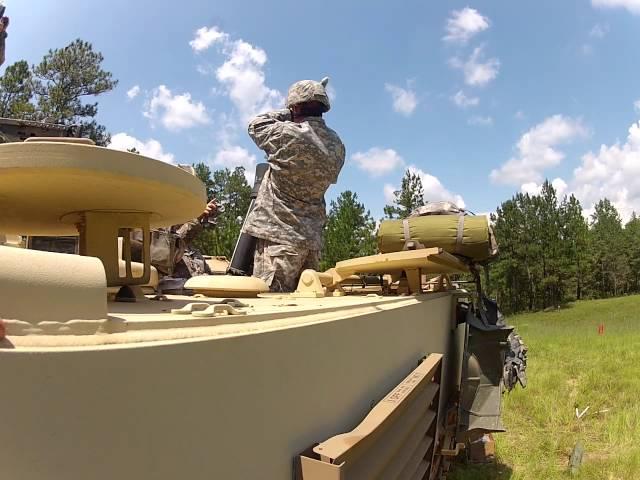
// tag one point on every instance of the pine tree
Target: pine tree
(233, 193)
(63, 78)
(350, 231)
(552, 277)
(203, 172)
(16, 91)
(529, 249)
(632, 247)
(510, 284)
(609, 261)
(408, 198)
(576, 241)
(542, 251)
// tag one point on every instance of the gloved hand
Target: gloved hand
(210, 211)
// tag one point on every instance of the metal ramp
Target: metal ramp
(397, 440)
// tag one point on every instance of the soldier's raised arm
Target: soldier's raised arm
(266, 130)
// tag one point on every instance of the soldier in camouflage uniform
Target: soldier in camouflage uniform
(305, 157)
(188, 261)
(172, 251)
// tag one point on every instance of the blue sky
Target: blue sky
(483, 99)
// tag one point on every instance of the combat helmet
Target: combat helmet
(309, 91)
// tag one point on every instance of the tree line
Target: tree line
(550, 253)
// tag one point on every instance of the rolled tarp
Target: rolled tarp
(468, 236)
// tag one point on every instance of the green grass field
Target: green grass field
(570, 366)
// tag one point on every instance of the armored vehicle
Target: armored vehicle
(381, 367)
(17, 130)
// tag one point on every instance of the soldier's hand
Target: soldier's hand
(211, 210)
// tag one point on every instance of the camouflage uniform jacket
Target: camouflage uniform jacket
(191, 258)
(171, 250)
(304, 158)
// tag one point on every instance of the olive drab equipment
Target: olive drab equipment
(444, 225)
(495, 358)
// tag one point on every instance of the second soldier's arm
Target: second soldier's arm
(188, 231)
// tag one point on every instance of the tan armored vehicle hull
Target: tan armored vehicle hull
(220, 400)
(197, 387)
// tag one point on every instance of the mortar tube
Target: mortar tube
(242, 259)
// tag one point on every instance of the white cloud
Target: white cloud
(433, 189)
(632, 5)
(404, 99)
(243, 79)
(241, 75)
(377, 161)
(537, 150)
(462, 101)
(331, 92)
(488, 215)
(235, 156)
(151, 148)
(586, 49)
(389, 193)
(133, 92)
(599, 30)
(205, 37)
(464, 24)
(480, 121)
(636, 106)
(612, 172)
(175, 112)
(560, 186)
(476, 71)
(533, 188)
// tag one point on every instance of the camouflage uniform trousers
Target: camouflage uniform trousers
(280, 265)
